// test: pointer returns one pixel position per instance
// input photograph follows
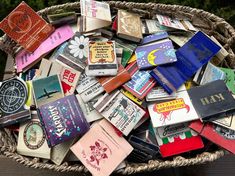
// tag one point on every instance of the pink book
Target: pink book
(101, 150)
(24, 59)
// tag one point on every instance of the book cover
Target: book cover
(102, 59)
(47, 90)
(101, 150)
(172, 112)
(219, 135)
(153, 54)
(179, 143)
(129, 26)
(32, 139)
(62, 120)
(13, 98)
(69, 80)
(120, 111)
(229, 78)
(90, 113)
(26, 27)
(25, 59)
(141, 81)
(77, 49)
(208, 73)
(212, 100)
(190, 57)
(95, 15)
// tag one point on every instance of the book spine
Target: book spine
(169, 88)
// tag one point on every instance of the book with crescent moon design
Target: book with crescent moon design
(157, 53)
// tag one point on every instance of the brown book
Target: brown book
(129, 26)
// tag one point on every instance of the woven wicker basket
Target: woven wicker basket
(207, 22)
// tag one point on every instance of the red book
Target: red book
(217, 134)
(26, 27)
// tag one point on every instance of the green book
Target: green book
(230, 79)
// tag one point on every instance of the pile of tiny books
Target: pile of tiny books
(105, 88)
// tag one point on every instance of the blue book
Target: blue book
(190, 57)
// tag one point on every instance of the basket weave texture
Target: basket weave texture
(204, 21)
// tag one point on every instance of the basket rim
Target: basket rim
(8, 143)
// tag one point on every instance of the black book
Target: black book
(212, 100)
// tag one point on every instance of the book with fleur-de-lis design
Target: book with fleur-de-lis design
(101, 150)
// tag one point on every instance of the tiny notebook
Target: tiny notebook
(101, 150)
(212, 100)
(62, 120)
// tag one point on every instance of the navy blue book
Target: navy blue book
(190, 57)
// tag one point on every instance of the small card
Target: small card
(47, 90)
(69, 80)
(26, 27)
(62, 120)
(44, 68)
(101, 150)
(85, 82)
(141, 81)
(212, 100)
(159, 94)
(95, 15)
(13, 97)
(102, 59)
(227, 122)
(63, 18)
(229, 78)
(179, 143)
(32, 139)
(120, 111)
(92, 92)
(172, 112)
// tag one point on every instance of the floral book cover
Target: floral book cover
(62, 120)
(26, 27)
(101, 150)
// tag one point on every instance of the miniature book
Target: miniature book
(47, 90)
(174, 111)
(126, 29)
(62, 120)
(102, 59)
(101, 150)
(13, 97)
(120, 111)
(26, 27)
(32, 139)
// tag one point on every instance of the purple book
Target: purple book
(62, 120)
(153, 54)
